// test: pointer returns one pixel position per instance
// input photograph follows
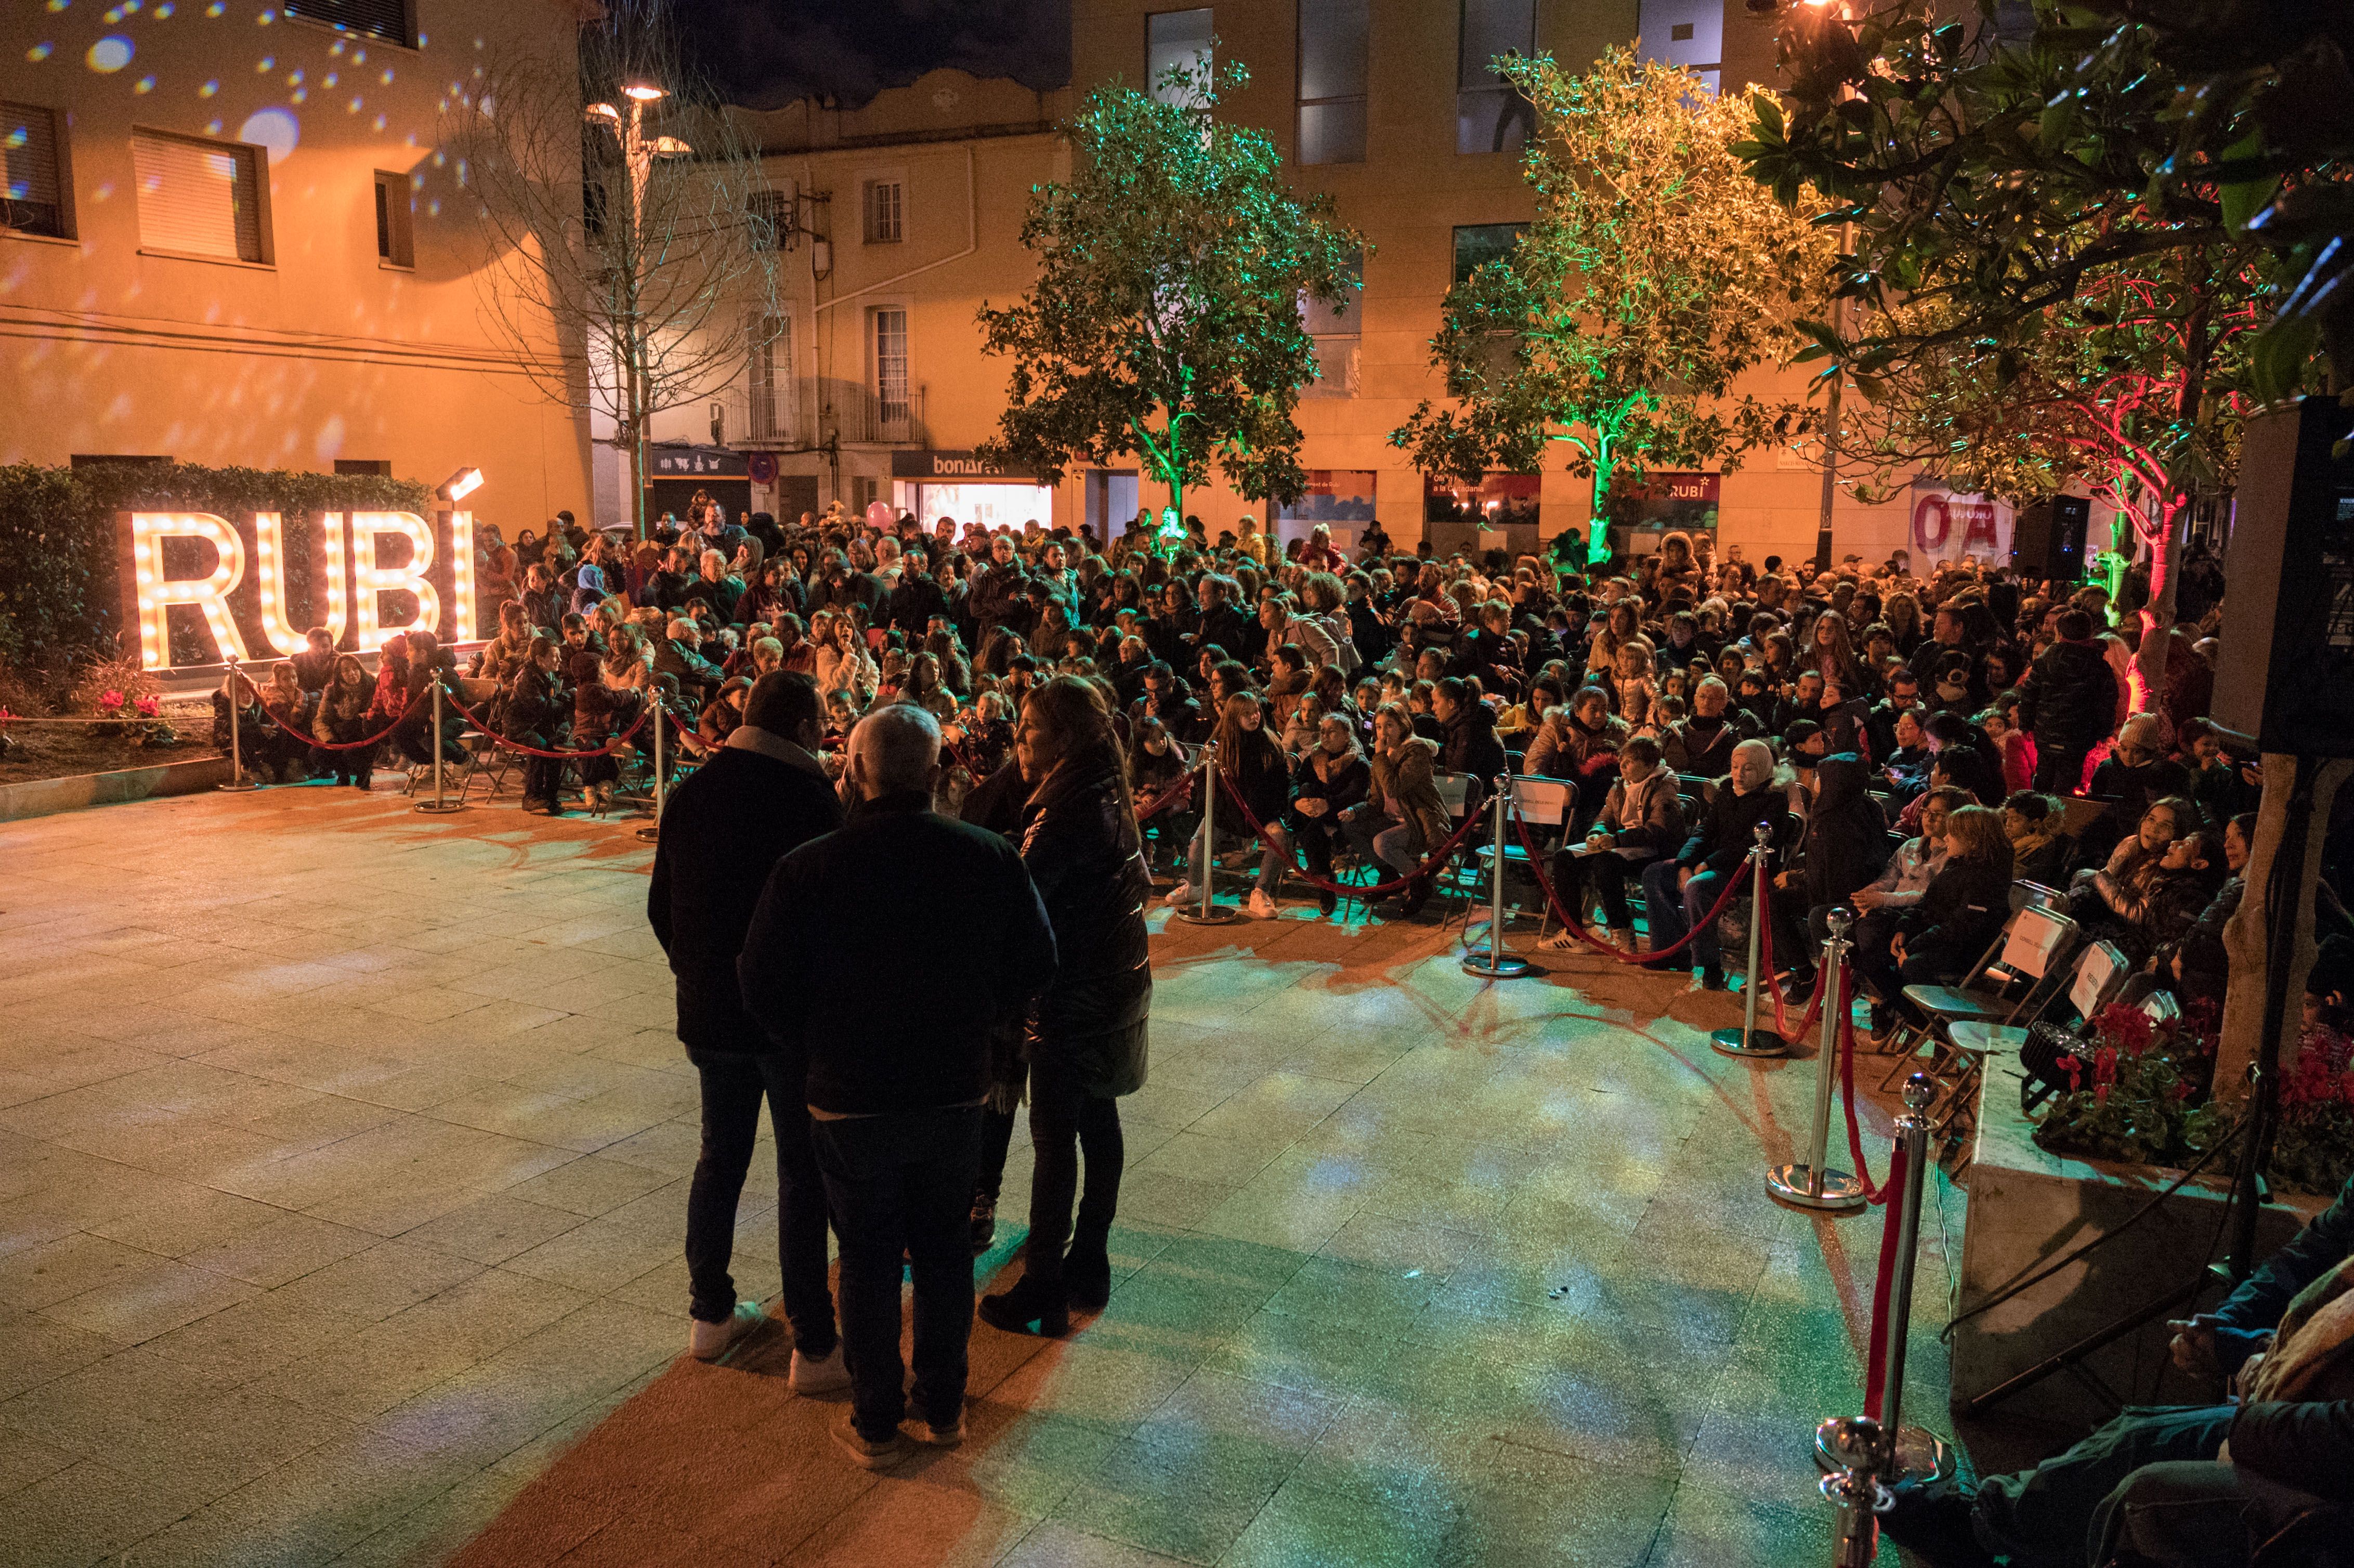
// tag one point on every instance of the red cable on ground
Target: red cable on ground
(1571, 924)
(1876, 1345)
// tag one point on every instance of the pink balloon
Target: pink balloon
(879, 514)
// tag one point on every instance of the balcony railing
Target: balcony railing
(804, 412)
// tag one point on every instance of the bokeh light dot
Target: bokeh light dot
(208, 89)
(276, 129)
(59, 5)
(144, 84)
(215, 8)
(110, 54)
(163, 12)
(299, 94)
(266, 64)
(40, 52)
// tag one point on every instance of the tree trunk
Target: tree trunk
(2157, 634)
(2246, 936)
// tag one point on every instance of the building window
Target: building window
(1339, 330)
(884, 211)
(391, 20)
(890, 366)
(1332, 45)
(1489, 116)
(1175, 40)
(32, 177)
(199, 198)
(772, 375)
(772, 213)
(1686, 33)
(393, 245)
(1477, 244)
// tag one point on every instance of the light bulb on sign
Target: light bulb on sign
(370, 581)
(158, 593)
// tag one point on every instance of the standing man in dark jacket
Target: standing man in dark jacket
(2068, 701)
(1681, 891)
(880, 960)
(1085, 1041)
(726, 825)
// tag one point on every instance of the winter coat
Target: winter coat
(1726, 832)
(994, 598)
(1966, 904)
(1846, 839)
(883, 957)
(342, 715)
(1409, 783)
(537, 709)
(725, 828)
(1701, 748)
(1472, 745)
(2069, 698)
(1261, 775)
(1647, 817)
(1081, 847)
(2041, 853)
(1346, 787)
(1563, 749)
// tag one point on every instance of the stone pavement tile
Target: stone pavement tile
(54, 1271)
(24, 1460)
(912, 1521)
(1709, 1528)
(380, 1280)
(41, 1349)
(1400, 1245)
(139, 1305)
(492, 1229)
(592, 1184)
(77, 1516)
(283, 1249)
(185, 1218)
(1057, 1544)
(256, 1336)
(1381, 1302)
(1111, 1387)
(1226, 1161)
(596, 1255)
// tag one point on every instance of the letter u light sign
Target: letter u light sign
(349, 562)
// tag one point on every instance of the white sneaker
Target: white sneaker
(933, 1436)
(1262, 907)
(709, 1341)
(827, 1373)
(1561, 942)
(1181, 896)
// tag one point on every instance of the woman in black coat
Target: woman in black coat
(537, 714)
(1086, 1037)
(1332, 777)
(1965, 907)
(1844, 847)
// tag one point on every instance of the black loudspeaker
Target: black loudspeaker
(2287, 668)
(2047, 540)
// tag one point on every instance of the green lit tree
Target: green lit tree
(1166, 320)
(1656, 275)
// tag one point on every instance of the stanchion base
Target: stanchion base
(234, 787)
(439, 808)
(1921, 1456)
(1790, 1183)
(1746, 1043)
(1216, 915)
(1504, 968)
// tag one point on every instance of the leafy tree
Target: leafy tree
(1166, 320)
(1656, 275)
(2006, 197)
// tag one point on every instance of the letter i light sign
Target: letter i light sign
(253, 588)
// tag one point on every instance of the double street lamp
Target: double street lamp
(639, 152)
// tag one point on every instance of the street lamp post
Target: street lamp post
(638, 154)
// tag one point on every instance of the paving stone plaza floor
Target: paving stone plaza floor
(343, 1156)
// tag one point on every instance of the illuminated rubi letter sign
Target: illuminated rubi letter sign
(330, 569)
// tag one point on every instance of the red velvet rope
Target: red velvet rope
(1436, 857)
(1570, 923)
(605, 750)
(1878, 1194)
(1782, 1024)
(376, 739)
(1178, 788)
(1884, 1282)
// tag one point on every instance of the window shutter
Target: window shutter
(386, 19)
(200, 198)
(31, 198)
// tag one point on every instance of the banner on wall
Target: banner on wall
(203, 588)
(1947, 525)
(1334, 495)
(1663, 501)
(1497, 501)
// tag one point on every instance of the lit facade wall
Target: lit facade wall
(320, 351)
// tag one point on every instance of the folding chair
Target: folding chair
(1542, 802)
(2031, 948)
(1455, 794)
(484, 759)
(2100, 971)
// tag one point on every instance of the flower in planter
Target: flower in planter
(110, 702)
(149, 707)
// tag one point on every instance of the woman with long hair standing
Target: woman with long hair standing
(1086, 1038)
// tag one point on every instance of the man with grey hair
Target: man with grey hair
(1680, 892)
(894, 1054)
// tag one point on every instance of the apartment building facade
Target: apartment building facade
(228, 237)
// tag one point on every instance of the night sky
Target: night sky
(767, 53)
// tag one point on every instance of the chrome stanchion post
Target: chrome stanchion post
(1211, 912)
(1749, 1040)
(238, 784)
(1860, 1448)
(1811, 1184)
(1915, 1453)
(438, 805)
(659, 719)
(1498, 964)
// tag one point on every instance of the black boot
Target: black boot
(1030, 1301)
(1416, 895)
(984, 1222)
(1086, 1274)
